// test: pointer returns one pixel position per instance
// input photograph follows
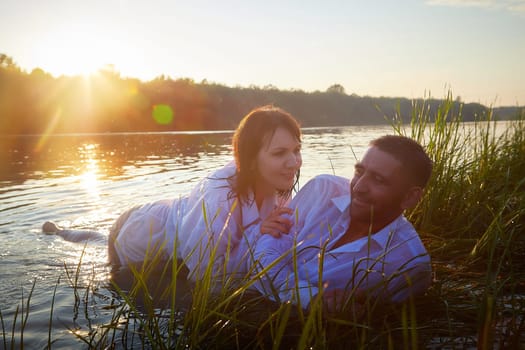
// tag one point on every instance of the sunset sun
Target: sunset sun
(77, 50)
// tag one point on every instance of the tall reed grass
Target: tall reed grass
(471, 219)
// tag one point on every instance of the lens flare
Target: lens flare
(49, 130)
(163, 114)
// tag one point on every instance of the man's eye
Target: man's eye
(379, 179)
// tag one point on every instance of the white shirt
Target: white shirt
(207, 226)
(384, 263)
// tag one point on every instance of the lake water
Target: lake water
(85, 182)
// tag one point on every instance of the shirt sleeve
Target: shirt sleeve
(274, 261)
(395, 280)
(209, 227)
(314, 210)
(272, 265)
(410, 278)
(391, 273)
(407, 269)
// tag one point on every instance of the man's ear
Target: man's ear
(412, 197)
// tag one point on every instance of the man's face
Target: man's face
(379, 190)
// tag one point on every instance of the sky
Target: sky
(474, 49)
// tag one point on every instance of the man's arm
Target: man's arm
(271, 266)
(272, 260)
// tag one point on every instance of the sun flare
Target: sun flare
(77, 50)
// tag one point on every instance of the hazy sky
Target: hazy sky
(404, 48)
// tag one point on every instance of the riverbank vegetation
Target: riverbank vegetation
(38, 103)
(472, 221)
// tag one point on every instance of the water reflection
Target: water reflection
(89, 177)
(86, 182)
(104, 155)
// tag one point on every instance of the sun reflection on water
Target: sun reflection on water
(89, 177)
(87, 259)
(90, 255)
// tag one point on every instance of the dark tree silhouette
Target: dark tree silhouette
(37, 103)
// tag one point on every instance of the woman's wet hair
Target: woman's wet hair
(249, 138)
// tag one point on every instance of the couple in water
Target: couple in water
(242, 221)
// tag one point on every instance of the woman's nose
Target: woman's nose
(294, 160)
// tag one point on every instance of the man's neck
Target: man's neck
(353, 233)
(358, 230)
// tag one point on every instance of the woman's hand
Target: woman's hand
(276, 224)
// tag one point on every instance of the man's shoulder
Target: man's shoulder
(329, 181)
(405, 226)
(322, 188)
(406, 233)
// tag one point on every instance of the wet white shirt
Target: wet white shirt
(385, 263)
(207, 226)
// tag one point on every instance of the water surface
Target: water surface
(85, 182)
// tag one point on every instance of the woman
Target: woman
(217, 221)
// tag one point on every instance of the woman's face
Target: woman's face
(277, 162)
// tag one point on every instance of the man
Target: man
(350, 236)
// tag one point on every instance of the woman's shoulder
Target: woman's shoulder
(227, 170)
(216, 182)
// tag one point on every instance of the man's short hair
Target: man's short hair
(414, 160)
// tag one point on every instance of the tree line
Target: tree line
(36, 102)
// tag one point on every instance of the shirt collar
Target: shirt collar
(342, 203)
(382, 237)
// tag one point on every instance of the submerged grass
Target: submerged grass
(472, 220)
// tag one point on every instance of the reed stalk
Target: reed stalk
(472, 219)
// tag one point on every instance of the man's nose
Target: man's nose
(360, 184)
